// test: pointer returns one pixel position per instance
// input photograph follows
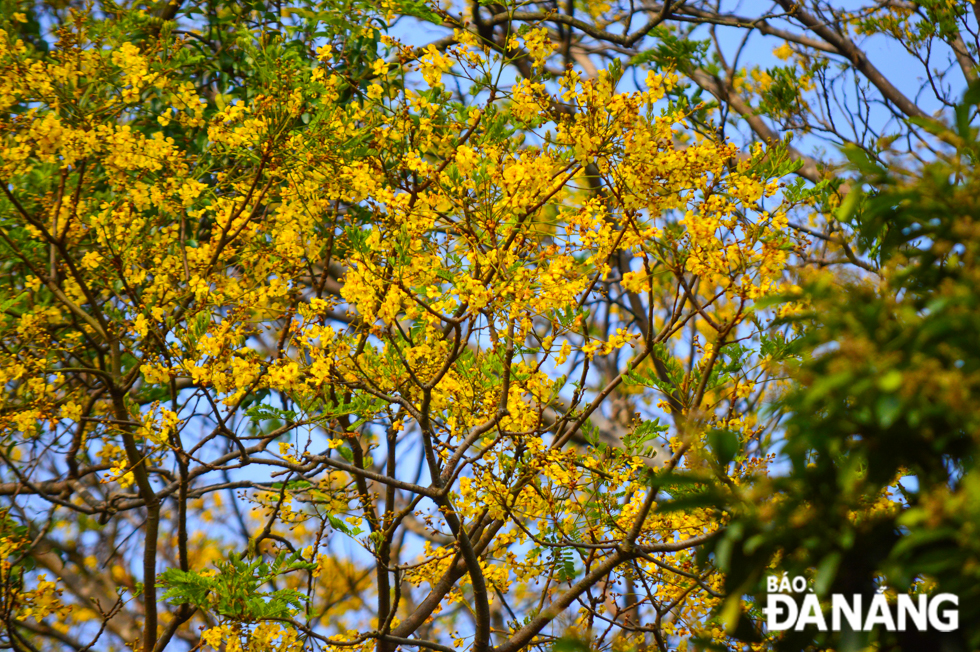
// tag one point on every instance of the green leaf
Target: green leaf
(888, 409)
(725, 445)
(826, 572)
(5, 305)
(266, 413)
(570, 644)
(347, 454)
(338, 525)
(891, 381)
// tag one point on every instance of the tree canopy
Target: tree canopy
(342, 325)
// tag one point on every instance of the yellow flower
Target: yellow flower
(783, 52)
(380, 67)
(465, 159)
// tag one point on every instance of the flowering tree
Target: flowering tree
(317, 337)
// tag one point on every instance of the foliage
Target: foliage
(234, 591)
(882, 433)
